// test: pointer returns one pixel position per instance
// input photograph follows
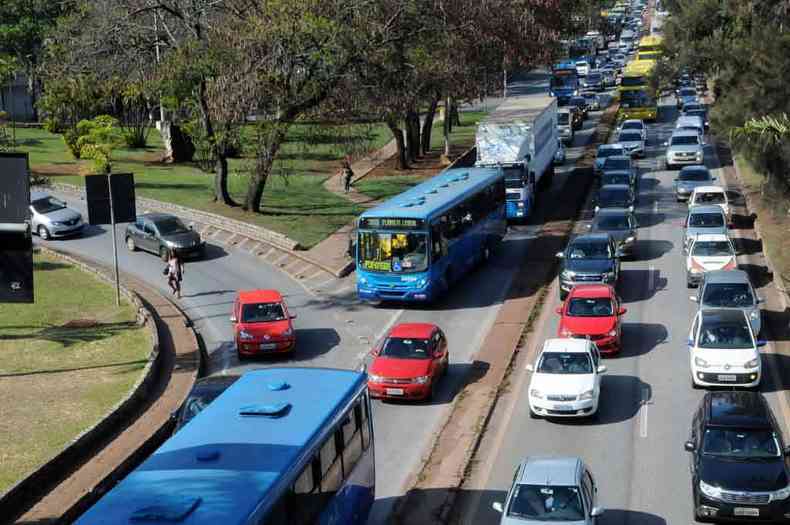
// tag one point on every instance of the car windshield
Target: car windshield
(725, 335)
(615, 178)
(728, 295)
(688, 92)
(617, 164)
(685, 140)
(578, 101)
(691, 107)
(714, 197)
(712, 249)
(48, 205)
(695, 129)
(740, 444)
(594, 77)
(696, 113)
(613, 198)
(406, 348)
(706, 220)
(632, 125)
(262, 312)
(608, 152)
(535, 502)
(612, 222)
(563, 118)
(589, 250)
(395, 252)
(565, 363)
(694, 175)
(170, 225)
(630, 136)
(591, 307)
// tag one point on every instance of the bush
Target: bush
(53, 125)
(135, 138)
(70, 138)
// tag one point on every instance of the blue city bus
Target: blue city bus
(564, 82)
(414, 246)
(281, 446)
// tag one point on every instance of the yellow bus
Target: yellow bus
(633, 79)
(651, 44)
(637, 103)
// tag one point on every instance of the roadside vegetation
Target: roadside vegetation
(65, 361)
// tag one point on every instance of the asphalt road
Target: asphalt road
(334, 329)
(635, 448)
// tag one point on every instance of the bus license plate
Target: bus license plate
(726, 377)
(394, 391)
(268, 346)
(746, 511)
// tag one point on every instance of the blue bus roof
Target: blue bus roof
(569, 64)
(436, 195)
(229, 460)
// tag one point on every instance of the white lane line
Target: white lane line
(643, 415)
(655, 206)
(651, 279)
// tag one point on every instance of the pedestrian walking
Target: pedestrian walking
(348, 173)
(174, 272)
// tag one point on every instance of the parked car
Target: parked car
(566, 379)
(161, 233)
(615, 196)
(730, 289)
(593, 101)
(621, 224)
(706, 253)
(593, 311)
(633, 125)
(202, 394)
(589, 258)
(409, 362)
(559, 155)
(684, 147)
(702, 220)
(550, 490)
(604, 151)
(689, 178)
(262, 324)
(711, 195)
(686, 95)
(633, 142)
(739, 465)
(51, 218)
(565, 125)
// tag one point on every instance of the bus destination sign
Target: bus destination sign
(394, 223)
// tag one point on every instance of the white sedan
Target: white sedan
(566, 379)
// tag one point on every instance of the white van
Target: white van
(692, 123)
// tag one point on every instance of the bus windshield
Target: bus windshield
(632, 81)
(564, 79)
(393, 252)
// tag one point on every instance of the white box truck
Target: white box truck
(520, 136)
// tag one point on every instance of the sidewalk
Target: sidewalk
(129, 445)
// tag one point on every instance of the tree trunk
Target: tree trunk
(427, 126)
(268, 145)
(221, 180)
(413, 134)
(221, 166)
(397, 133)
(447, 128)
(456, 116)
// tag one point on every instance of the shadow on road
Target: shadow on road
(640, 285)
(641, 338)
(651, 249)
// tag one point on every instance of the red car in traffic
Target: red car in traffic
(409, 362)
(262, 324)
(594, 311)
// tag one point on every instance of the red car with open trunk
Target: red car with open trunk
(262, 324)
(594, 311)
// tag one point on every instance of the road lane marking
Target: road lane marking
(651, 278)
(655, 206)
(643, 415)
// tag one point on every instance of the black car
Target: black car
(589, 258)
(739, 463)
(580, 103)
(619, 177)
(615, 196)
(619, 163)
(161, 233)
(621, 224)
(204, 392)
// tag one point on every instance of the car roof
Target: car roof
(259, 296)
(613, 211)
(566, 345)
(695, 167)
(38, 195)
(603, 147)
(684, 133)
(705, 208)
(725, 315)
(712, 237)
(413, 330)
(620, 187)
(727, 276)
(709, 189)
(618, 157)
(547, 471)
(156, 216)
(616, 172)
(738, 408)
(632, 121)
(592, 290)
(685, 120)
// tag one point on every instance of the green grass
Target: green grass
(463, 135)
(57, 379)
(386, 187)
(295, 202)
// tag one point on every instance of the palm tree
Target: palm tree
(768, 133)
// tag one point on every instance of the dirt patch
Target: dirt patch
(424, 167)
(59, 169)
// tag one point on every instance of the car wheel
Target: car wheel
(131, 245)
(700, 519)
(43, 232)
(163, 253)
(533, 415)
(432, 392)
(694, 386)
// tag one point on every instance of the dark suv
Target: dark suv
(739, 467)
(589, 258)
(161, 233)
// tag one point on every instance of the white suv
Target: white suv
(723, 350)
(684, 148)
(708, 252)
(711, 195)
(566, 379)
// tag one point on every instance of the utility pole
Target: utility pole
(156, 48)
(114, 242)
(504, 76)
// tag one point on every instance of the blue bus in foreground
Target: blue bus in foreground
(281, 446)
(414, 246)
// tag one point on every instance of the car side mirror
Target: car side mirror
(690, 446)
(676, 179)
(761, 342)
(713, 178)
(233, 319)
(558, 310)
(693, 298)
(665, 143)
(596, 511)
(292, 316)
(497, 506)
(602, 369)
(787, 451)
(690, 342)
(529, 367)
(374, 352)
(589, 226)
(560, 255)
(622, 310)
(760, 300)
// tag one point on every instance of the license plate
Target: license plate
(726, 377)
(268, 346)
(560, 407)
(746, 511)
(394, 391)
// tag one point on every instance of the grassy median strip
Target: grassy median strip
(64, 362)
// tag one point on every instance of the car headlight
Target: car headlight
(780, 494)
(700, 362)
(612, 332)
(421, 380)
(709, 490)
(608, 276)
(630, 239)
(586, 395)
(568, 275)
(576, 93)
(422, 282)
(245, 335)
(363, 280)
(754, 315)
(520, 204)
(376, 379)
(695, 270)
(170, 244)
(537, 394)
(752, 364)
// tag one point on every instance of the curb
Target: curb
(34, 486)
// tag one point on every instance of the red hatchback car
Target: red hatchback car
(409, 363)
(262, 324)
(594, 311)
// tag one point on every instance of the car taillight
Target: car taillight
(731, 265)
